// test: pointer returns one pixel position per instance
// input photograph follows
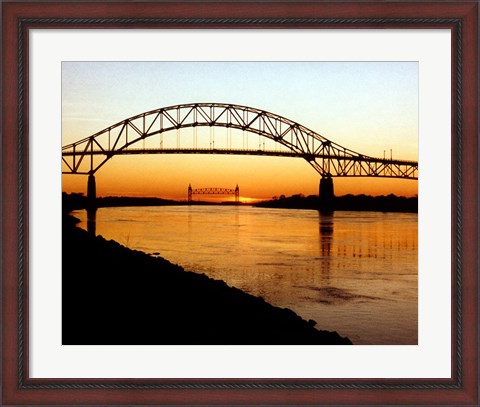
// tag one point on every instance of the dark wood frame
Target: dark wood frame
(461, 17)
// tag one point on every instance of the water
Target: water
(352, 272)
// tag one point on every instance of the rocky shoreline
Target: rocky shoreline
(117, 296)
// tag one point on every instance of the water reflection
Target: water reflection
(326, 226)
(92, 221)
(352, 272)
(326, 242)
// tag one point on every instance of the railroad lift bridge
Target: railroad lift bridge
(213, 191)
(161, 131)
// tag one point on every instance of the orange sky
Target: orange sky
(168, 176)
(367, 107)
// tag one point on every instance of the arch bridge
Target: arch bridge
(277, 136)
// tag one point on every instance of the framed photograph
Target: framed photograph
(239, 203)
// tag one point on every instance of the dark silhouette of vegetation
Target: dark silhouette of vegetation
(79, 201)
(389, 203)
(75, 201)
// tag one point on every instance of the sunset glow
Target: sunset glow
(297, 134)
(370, 108)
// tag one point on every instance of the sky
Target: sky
(368, 107)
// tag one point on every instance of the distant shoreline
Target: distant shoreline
(361, 203)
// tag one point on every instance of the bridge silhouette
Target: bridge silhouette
(213, 191)
(277, 136)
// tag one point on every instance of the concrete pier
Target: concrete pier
(91, 192)
(326, 194)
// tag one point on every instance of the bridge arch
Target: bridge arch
(329, 159)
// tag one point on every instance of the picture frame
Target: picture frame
(18, 17)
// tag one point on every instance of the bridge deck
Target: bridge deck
(237, 151)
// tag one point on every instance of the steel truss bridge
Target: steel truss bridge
(88, 155)
(158, 132)
(213, 191)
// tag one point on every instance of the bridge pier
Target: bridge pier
(91, 192)
(91, 205)
(326, 194)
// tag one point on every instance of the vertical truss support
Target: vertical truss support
(237, 195)
(189, 193)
